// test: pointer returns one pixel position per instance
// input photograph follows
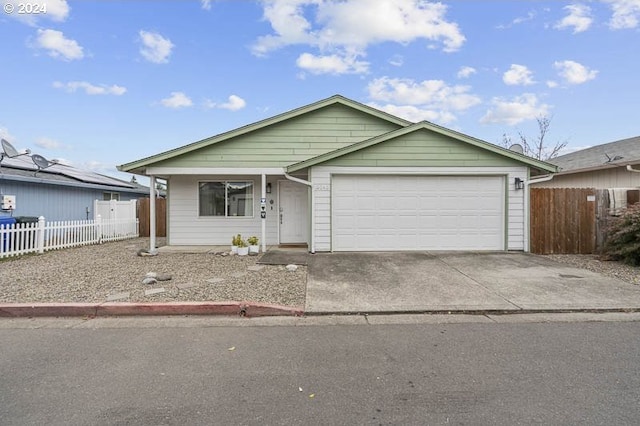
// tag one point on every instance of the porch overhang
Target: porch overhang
(168, 171)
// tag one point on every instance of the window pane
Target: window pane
(240, 199)
(211, 196)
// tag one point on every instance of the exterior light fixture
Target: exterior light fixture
(268, 188)
(518, 183)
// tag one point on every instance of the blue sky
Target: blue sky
(101, 83)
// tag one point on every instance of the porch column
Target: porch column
(152, 215)
(263, 212)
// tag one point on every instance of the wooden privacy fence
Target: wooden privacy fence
(563, 220)
(144, 216)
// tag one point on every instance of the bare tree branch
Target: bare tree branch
(537, 148)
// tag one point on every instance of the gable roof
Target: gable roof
(531, 162)
(608, 155)
(139, 165)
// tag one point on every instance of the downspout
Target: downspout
(313, 209)
(631, 169)
(527, 216)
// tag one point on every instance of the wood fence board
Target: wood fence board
(144, 206)
(563, 220)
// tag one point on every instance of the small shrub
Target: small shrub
(241, 242)
(236, 240)
(623, 239)
(253, 241)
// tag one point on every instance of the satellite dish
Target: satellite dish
(8, 150)
(516, 147)
(40, 162)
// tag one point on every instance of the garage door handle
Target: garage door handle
(280, 218)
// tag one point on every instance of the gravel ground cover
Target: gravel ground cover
(114, 271)
(594, 263)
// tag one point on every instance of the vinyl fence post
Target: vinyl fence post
(40, 235)
(99, 229)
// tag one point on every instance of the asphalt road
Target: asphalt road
(474, 373)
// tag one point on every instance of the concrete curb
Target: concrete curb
(246, 309)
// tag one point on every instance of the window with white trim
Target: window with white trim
(108, 196)
(225, 198)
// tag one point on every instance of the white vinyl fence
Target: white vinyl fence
(22, 238)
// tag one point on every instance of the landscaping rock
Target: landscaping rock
(163, 277)
(292, 268)
(149, 280)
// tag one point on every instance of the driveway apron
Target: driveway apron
(453, 281)
(392, 282)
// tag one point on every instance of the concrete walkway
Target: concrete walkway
(458, 282)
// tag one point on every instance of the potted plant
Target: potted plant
(243, 250)
(234, 243)
(253, 244)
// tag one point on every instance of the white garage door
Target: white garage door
(377, 213)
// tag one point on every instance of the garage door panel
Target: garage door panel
(375, 212)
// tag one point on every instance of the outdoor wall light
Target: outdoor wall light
(268, 187)
(519, 183)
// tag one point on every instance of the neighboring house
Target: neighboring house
(59, 192)
(601, 167)
(337, 175)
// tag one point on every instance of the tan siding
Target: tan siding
(619, 177)
(288, 142)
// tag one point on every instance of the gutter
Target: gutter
(631, 169)
(313, 208)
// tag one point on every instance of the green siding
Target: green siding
(288, 142)
(425, 149)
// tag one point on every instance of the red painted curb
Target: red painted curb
(169, 308)
(247, 309)
(48, 309)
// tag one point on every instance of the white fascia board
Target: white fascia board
(161, 171)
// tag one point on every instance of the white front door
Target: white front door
(293, 212)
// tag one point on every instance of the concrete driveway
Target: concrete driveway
(448, 281)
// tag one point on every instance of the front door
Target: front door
(293, 212)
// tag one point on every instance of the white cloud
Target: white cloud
(396, 60)
(466, 72)
(58, 46)
(574, 73)
(55, 10)
(90, 89)
(552, 84)
(155, 48)
(414, 113)
(331, 64)
(579, 18)
(48, 143)
(626, 14)
(516, 110)
(177, 100)
(206, 4)
(518, 75)
(346, 29)
(519, 20)
(429, 99)
(4, 134)
(234, 103)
